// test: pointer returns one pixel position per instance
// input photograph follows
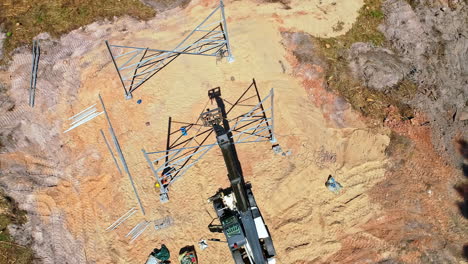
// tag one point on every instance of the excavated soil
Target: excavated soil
(72, 191)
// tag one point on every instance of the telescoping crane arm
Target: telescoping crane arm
(247, 235)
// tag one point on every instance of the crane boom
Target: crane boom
(248, 237)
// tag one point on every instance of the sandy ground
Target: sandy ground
(86, 193)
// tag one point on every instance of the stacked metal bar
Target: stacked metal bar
(122, 219)
(121, 156)
(35, 64)
(138, 230)
(82, 117)
(111, 152)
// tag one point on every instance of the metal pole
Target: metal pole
(76, 116)
(225, 29)
(272, 131)
(261, 104)
(152, 167)
(168, 140)
(121, 156)
(135, 229)
(193, 31)
(141, 232)
(122, 219)
(35, 65)
(110, 150)
(128, 94)
(136, 69)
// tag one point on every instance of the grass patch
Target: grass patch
(24, 19)
(370, 102)
(10, 252)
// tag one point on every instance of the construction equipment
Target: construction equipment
(246, 232)
(252, 122)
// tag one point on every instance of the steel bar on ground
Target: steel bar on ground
(111, 152)
(83, 115)
(117, 68)
(273, 138)
(121, 156)
(82, 121)
(75, 116)
(135, 229)
(122, 219)
(141, 232)
(35, 65)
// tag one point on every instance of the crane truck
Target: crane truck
(241, 221)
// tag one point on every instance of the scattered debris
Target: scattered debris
(333, 185)
(163, 223)
(203, 244)
(278, 150)
(323, 157)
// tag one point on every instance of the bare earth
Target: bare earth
(82, 193)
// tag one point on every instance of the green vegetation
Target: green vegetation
(24, 19)
(10, 252)
(370, 102)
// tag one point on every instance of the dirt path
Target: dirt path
(83, 192)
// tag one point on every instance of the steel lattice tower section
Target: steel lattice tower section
(253, 122)
(136, 65)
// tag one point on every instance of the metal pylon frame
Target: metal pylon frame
(256, 124)
(136, 65)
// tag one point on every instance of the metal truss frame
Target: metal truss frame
(136, 65)
(255, 125)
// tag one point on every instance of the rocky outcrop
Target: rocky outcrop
(378, 68)
(429, 46)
